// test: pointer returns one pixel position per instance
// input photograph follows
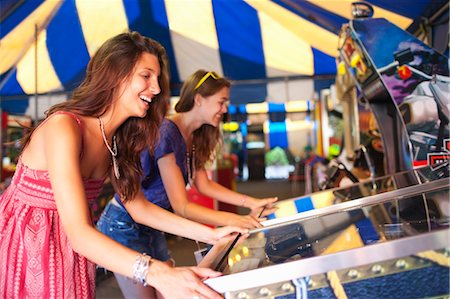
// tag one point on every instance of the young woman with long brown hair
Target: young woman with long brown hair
(48, 244)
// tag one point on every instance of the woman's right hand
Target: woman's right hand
(225, 232)
(181, 282)
(245, 221)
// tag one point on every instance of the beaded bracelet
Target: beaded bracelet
(140, 268)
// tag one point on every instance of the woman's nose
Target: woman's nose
(154, 88)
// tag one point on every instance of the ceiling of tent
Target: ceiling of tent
(248, 41)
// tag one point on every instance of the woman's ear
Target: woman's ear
(198, 99)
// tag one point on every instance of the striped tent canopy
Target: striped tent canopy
(272, 50)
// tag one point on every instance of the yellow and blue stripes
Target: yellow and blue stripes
(240, 39)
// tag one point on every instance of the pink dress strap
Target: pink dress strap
(75, 117)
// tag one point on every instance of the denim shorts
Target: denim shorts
(116, 223)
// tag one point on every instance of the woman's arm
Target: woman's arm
(62, 141)
(176, 190)
(144, 212)
(219, 192)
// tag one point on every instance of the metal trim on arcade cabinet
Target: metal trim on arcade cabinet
(321, 264)
(356, 203)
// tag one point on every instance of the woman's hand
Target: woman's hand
(225, 232)
(245, 221)
(257, 205)
(181, 282)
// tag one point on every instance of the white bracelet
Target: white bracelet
(243, 200)
(140, 268)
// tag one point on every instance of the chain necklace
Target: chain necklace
(191, 166)
(112, 150)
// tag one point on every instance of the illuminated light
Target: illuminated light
(230, 262)
(296, 106)
(237, 257)
(342, 70)
(266, 128)
(231, 126)
(257, 108)
(404, 72)
(245, 251)
(356, 58)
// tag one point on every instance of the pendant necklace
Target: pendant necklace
(112, 150)
(191, 166)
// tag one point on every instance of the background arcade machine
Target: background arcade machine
(394, 73)
(13, 128)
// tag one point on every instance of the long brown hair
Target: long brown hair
(207, 137)
(114, 62)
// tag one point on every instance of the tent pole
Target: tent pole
(36, 72)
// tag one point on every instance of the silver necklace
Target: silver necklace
(112, 150)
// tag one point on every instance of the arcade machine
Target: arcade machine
(371, 239)
(14, 128)
(405, 84)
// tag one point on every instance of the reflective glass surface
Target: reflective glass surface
(376, 186)
(392, 217)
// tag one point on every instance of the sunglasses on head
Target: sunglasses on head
(206, 76)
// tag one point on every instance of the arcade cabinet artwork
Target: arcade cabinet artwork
(405, 84)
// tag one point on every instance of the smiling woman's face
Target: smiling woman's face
(142, 86)
(214, 106)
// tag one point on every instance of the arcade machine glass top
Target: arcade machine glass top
(349, 232)
(354, 221)
(300, 207)
(368, 236)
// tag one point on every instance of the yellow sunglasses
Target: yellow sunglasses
(203, 79)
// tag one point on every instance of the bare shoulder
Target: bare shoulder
(58, 133)
(60, 130)
(61, 126)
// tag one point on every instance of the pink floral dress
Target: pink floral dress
(36, 257)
